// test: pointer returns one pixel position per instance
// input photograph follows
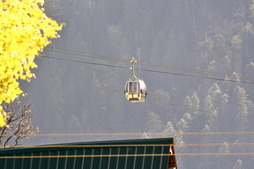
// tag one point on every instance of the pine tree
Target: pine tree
(242, 109)
(153, 123)
(238, 164)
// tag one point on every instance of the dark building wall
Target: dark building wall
(126, 154)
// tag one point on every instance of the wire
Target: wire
(83, 156)
(214, 154)
(79, 53)
(124, 134)
(211, 78)
(213, 144)
(138, 145)
(128, 155)
(147, 70)
(134, 134)
(124, 155)
(79, 61)
(140, 134)
(94, 146)
(196, 71)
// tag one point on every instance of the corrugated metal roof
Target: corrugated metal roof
(125, 154)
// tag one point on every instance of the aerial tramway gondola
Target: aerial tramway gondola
(135, 88)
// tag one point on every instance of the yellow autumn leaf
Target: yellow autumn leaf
(24, 31)
(3, 117)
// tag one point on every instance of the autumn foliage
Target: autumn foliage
(24, 31)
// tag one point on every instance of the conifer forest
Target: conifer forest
(195, 56)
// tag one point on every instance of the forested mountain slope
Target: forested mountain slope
(190, 37)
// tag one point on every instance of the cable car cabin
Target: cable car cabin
(135, 90)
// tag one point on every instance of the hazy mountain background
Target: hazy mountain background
(214, 36)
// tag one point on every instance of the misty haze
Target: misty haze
(195, 57)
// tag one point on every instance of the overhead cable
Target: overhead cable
(86, 54)
(149, 70)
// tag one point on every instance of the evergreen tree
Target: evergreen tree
(192, 112)
(225, 118)
(238, 164)
(116, 114)
(242, 110)
(216, 95)
(55, 104)
(224, 148)
(169, 128)
(195, 103)
(163, 100)
(74, 126)
(153, 123)
(183, 125)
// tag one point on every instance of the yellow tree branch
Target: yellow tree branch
(24, 31)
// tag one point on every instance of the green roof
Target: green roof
(124, 154)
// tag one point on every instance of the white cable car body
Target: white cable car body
(135, 88)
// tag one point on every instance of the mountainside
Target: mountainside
(196, 58)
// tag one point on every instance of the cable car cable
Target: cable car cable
(67, 51)
(147, 70)
(197, 71)
(79, 61)
(211, 78)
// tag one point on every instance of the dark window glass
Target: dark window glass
(130, 85)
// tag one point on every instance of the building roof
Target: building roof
(126, 154)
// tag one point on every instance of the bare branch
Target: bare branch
(18, 124)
